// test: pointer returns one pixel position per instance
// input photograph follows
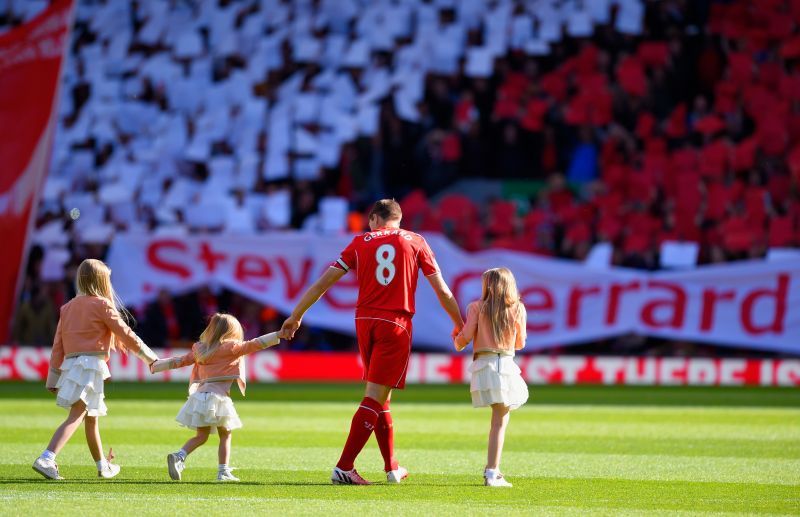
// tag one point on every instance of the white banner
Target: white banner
(753, 304)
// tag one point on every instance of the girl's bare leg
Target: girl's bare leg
(68, 427)
(224, 445)
(497, 434)
(197, 440)
(92, 428)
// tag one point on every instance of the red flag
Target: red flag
(30, 69)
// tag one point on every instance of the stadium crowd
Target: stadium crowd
(544, 126)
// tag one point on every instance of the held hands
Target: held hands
(454, 334)
(289, 328)
(161, 365)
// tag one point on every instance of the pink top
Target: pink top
(91, 325)
(226, 364)
(479, 327)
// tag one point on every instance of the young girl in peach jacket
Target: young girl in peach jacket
(497, 324)
(218, 361)
(89, 328)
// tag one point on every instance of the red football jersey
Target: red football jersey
(387, 263)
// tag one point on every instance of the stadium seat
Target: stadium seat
(457, 212)
(502, 220)
(782, 232)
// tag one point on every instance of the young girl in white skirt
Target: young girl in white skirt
(497, 324)
(89, 327)
(218, 361)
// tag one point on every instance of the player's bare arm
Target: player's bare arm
(447, 300)
(309, 298)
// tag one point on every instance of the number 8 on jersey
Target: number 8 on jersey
(390, 261)
(385, 271)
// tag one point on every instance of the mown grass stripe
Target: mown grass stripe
(445, 461)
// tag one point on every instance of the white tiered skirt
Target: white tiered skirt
(209, 410)
(496, 379)
(82, 378)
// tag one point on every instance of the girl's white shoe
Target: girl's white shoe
(47, 468)
(493, 477)
(108, 471)
(175, 465)
(226, 475)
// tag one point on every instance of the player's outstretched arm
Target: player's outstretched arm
(309, 298)
(447, 300)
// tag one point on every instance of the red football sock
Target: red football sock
(360, 428)
(384, 433)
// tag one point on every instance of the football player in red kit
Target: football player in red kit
(387, 261)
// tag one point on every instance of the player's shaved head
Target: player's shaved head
(387, 210)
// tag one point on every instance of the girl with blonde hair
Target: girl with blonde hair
(497, 325)
(89, 328)
(218, 360)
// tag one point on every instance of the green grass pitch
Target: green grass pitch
(571, 450)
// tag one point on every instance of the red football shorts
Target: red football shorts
(385, 346)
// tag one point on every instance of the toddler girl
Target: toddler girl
(218, 361)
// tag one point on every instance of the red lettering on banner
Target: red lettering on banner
(574, 304)
(676, 304)
(541, 370)
(591, 373)
(641, 371)
(612, 369)
(266, 367)
(544, 303)
(779, 295)
(751, 375)
(701, 371)
(209, 257)
(454, 369)
(672, 370)
(731, 372)
(710, 298)
(158, 262)
(293, 287)
(788, 373)
(434, 369)
(569, 367)
(615, 293)
(253, 271)
(30, 363)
